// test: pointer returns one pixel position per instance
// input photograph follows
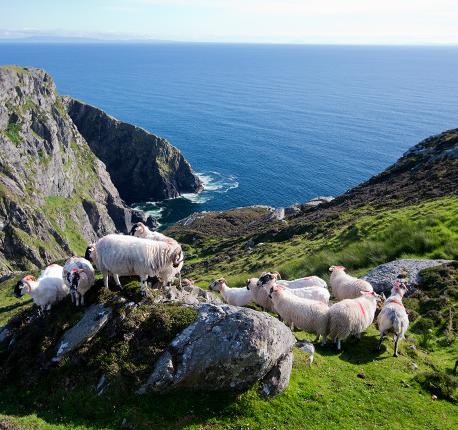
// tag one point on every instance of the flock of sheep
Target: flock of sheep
(302, 303)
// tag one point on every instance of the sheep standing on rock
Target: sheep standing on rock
(345, 286)
(393, 316)
(141, 230)
(232, 296)
(79, 276)
(47, 290)
(352, 316)
(122, 255)
(308, 315)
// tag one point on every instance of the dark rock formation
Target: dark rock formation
(55, 194)
(141, 165)
(405, 270)
(226, 348)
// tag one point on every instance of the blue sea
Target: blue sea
(263, 124)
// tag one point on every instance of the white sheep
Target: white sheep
(232, 296)
(79, 276)
(351, 316)
(48, 289)
(122, 255)
(260, 294)
(314, 292)
(308, 315)
(308, 281)
(393, 316)
(141, 230)
(345, 286)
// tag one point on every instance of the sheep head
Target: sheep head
(23, 286)
(276, 289)
(267, 278)
(137, 229)
(90, 252)
(216, 285)
(335, 268)
(399, 288)
(177, 256)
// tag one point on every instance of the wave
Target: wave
(213, 183)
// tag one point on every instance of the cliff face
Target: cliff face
(55, 195)
(141, 165)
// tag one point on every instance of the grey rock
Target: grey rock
(292, 210)
(277, 214)
(226, 348)
(319, 200)
(405, 270)
(188, 294)
(136, 159)
(93, 320)
(249, 244)
(277, 379)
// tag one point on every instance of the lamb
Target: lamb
(308, 281)
(352, 316)
(79, 276)
(232, 296)
(127, 256)
(345, 286)
(47, 290)
(319, 294)
(308, 315)
(141, 230)
(393, 316)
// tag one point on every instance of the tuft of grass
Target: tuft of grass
(13, 133)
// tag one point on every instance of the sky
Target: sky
(235, 21)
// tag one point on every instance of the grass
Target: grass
(12, 132)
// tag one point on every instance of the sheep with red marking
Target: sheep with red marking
(48, 289)
(352, 316)
(345, 286)
(308, 315)
(393, 316)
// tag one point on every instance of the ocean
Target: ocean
(263, 124)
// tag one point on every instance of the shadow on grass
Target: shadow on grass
(9, 308)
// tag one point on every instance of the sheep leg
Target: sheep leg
(82, 300)
(338, 345)
(48, 308)
(323, 341)
(381, 340)
(143, 284)
(105, 280)
(117, 281)
(317, 339)
(396, 346)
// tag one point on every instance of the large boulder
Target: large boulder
(405, 270)
(226, 348)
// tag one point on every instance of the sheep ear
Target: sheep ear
(177, 256)
(277, 274)
(331, 269)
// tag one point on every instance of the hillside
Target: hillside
(408, 211)
(57, 192)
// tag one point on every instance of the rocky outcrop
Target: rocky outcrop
(55, 194)
(143, 167)
(408, 271)
(226, 348)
